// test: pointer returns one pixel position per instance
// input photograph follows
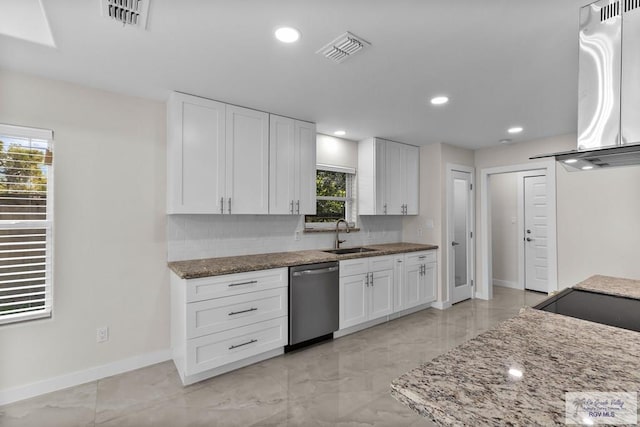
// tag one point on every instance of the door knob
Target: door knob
(454, 243)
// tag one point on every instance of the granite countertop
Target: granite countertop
(612, 286)
(470, 385)
(238, 264)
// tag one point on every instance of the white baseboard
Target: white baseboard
(506, 284)
(441, 305)
(482, 295)
(71, 379)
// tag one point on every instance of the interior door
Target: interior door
(535, 234)
(460, 215)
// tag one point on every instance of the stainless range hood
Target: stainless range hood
(609, 87)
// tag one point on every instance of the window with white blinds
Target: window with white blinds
(26, 223)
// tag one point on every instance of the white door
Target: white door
(305, 168)
(381, 294)
(353, 300)
(460, 239)
(535, 233)
(282, 166)
(247, 144)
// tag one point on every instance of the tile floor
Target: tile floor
(344, 382)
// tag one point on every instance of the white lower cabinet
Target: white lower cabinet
(418, 281)
(221, 323)
(366, 290)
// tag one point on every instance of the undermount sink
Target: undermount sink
(346, 251)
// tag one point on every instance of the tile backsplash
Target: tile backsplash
(209, 236)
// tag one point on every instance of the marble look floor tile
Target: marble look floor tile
(137, 390)
(65, 408)
(382, 412)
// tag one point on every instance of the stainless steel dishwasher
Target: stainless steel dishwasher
(314, 303)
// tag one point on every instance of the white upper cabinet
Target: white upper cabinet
(247, 166)
(224, 159)
(292, 176)
(196, 154)
(388, 178)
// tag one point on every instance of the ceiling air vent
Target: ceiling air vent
(610, 11)
(126, 12)
(631, 4)
(343, 47)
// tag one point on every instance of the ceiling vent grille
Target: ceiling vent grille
(631, 4)
(126, 12)
(343, 47)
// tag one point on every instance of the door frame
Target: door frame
(547, 168)
(450, 168)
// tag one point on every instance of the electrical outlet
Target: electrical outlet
(296, 236)
(102, 334)
(419, 231)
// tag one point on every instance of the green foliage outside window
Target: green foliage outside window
(330, 188)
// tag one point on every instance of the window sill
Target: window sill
(328, 230)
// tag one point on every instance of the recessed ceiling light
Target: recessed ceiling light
(515, 372)
(340, 133)
(287, 34)
(505, 141)
(515, 129)
(586, 168)
(570, 161)
(439, 100)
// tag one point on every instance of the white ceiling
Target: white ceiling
(501, 62)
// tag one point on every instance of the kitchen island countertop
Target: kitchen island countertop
(617, 286)
(471, 384)
(192, 269)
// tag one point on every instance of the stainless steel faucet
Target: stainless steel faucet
(338, 241)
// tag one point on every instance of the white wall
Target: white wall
(598, 212)
(336, 151)
(504, 232)
(110, 245)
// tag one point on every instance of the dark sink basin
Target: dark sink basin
(346, 251)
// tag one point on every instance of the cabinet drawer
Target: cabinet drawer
(212, 351)
(420, 257)
(235, 284)
(381, 263)
(220, 314)
(351, 267)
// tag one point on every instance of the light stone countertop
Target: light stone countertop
(238, 264)
(470, 384)
(612, 286)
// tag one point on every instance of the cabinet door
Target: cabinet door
(305, 162)
(282, 165)
(398, 285)
(380, 177)
(247, 175)
(411, 186)
(196, 154)
(353, 300)
(395, 175)
(412, 283)
(381, 294)
(428, 288)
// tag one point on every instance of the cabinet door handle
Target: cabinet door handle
(221, 205)
(243, 344)
(251, 282)
(385, 208)
(233, 313)
(291, 207)
(422, 257)
(371, 279)
(298, 206)
(367, 280)
(229, 204)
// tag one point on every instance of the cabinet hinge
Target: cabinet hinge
(471, 234)
(470, 187)
(472, 283)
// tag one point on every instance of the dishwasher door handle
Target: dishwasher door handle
(314, 272)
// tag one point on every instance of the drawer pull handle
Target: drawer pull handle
(251, 282)
(422, 257)
(240, 345)
(243, 311)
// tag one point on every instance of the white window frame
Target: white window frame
(46, 312)
(350, 208)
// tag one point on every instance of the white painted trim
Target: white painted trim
(441, 305)
(333, 168)
(507, 284)
(26, 132)
(72, 379)
(450, 167)
(549, 168)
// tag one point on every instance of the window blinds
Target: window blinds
(26, 171)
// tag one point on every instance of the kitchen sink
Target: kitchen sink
(346, 251)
